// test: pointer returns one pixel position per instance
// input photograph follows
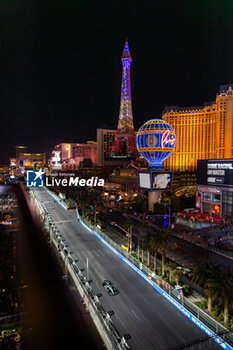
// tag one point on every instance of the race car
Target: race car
(110, 288)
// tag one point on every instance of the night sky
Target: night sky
(60, 68)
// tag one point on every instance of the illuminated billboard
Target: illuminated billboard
(155, 180)
(56, 159)
(213, 172)
(145, 180)
(13, 162)
(161, 180)
(56, 156)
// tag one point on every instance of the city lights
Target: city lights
(116, 204)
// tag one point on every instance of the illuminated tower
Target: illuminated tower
(124, 144)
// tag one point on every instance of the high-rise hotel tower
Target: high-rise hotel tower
(202, 132)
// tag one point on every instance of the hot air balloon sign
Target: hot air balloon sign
(155, 141)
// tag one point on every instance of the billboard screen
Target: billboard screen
(144, 180)
(56, 156)
(56, 160)
(161, 180)
(13, 162)
(215, 172)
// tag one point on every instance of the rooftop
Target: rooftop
(184, 109)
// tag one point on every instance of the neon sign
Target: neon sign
(155, 141)
(168, 138)
(56, 157)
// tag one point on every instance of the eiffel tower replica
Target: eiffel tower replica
(124, 145)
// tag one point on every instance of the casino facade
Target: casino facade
(202, 132)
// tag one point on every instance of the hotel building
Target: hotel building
(29, 160)
(202, 132)
(69, 155)
(20, 149)
(66, 150)
(105, 141)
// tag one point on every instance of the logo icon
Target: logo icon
(35, 178)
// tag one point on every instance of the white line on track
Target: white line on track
(134, 313)
(61, 222)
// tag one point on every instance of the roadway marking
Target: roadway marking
(61, 222)
(134, 313)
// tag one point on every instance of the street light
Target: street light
(139, 247)
(87, 267)
(130, 240)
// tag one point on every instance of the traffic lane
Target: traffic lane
(158, 315)
(149, 313)
(118, 217)
(186, 253)
(54, 207)
(136, 313)
(189, 254)
(219, 259)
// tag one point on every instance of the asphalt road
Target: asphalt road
(152, 321)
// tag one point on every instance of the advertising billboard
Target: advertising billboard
(56, 160)
(13, 162)
(145, 180)
(213, 172)
(161, 180)
(155, 180)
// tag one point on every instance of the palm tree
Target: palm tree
(202, 274)
(154, 243)
(142, 225)
(143, 244)
(94, 196)
(164, 243)
(220, 285)
(172, 269)
(177, 273)
(148, 248)
(83, 197)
